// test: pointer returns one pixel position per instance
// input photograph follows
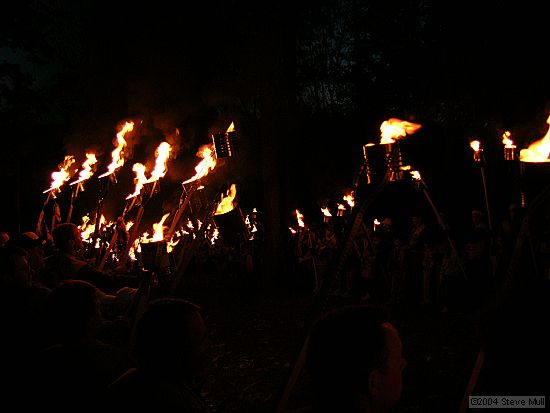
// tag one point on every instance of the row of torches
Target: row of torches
(391, 131)
(394, 129)
(208, 163)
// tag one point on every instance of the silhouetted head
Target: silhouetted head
(170, 339)
(355, 361)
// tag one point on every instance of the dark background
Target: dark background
(307, 85)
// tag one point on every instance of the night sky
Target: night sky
(307, 85)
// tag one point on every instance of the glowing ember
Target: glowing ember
(162, 153)
(207, 164)
(118, 152)
(61, 176)
(86, 171)
(393, 129)
(226, 203)
(538, 151)
(140, 179)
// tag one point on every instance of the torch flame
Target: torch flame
(86, 171)
(226, 203)
(508, 143)
(140, 179)
(299, 217)
(207, 164)
(162, 153)
(61, 176)
(393, 129)
(349, 199)
(538, 151)
(416, 175)
(231, 127)
(475, 145)
(326, 212)
(118, 152)
(158, 228)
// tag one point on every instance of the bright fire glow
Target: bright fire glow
(118, 152)
(508, 143)
(299, 217)
(61, 176)
(140, 179)
(350, 199)
(326, 212)
(538, 151)
(162, 153)
(86, 171)
(207, 164)
(416, 175)
(393, 129)
(231, 127)
(226, 204)
(475, 145)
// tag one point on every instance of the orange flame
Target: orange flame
(299, 217)
(61, 176)
(508, 143)
(538, 151)
(162, 153)
(140, 179)
(226, 203)
(207, 164)
(326, 212)
(86, 171)
(349, 199)
(416, 175)
(118, 152)
(231, 128)
(393, 129)
(475, 145)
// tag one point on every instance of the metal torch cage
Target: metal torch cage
(225, 144)
(381, 160)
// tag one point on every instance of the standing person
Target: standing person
(169, 350)
(355, 362)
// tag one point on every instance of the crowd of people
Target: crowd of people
(77, 336)
(423, 261)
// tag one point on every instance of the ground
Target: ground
(256, 333)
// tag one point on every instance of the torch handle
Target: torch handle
(108, 251)
(179, 213)
(132, 237)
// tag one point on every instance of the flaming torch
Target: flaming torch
(480, 160)
(117, 157)
(391, 162)
(538, 152)
(84, 174)
(509, 147)
(58, 179)
(326, 214)
(208, 163)
(162, 154)
(392, 130)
